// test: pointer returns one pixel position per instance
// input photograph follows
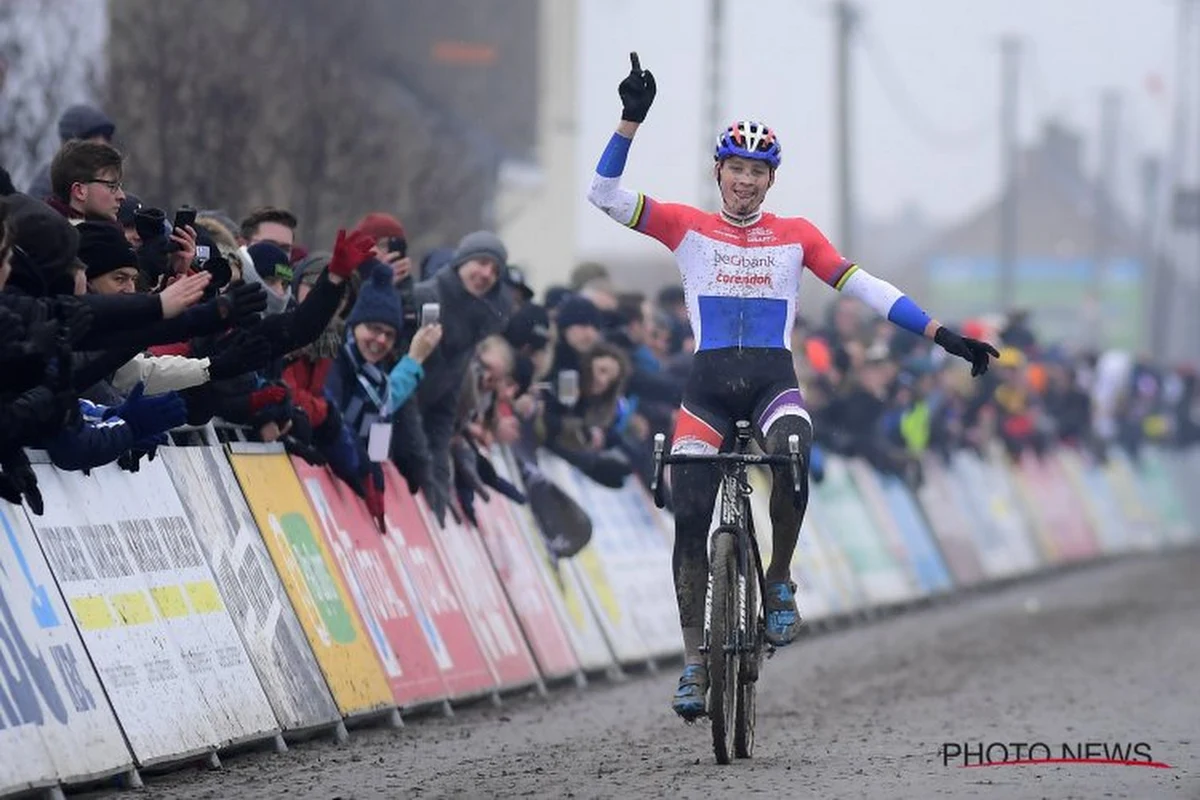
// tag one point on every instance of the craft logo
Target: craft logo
(760, 235)
(999, 754)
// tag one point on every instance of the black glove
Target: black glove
(487, 474)
(637, 91)
(240, 353)
(241, 303)
(17, 480)
(972, 350)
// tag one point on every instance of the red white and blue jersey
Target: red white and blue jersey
(742, 282)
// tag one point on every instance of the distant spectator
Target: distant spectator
(78, 123)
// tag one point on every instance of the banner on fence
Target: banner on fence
(247, 579)
(626, 534)
(563, 584)
(149, 612)
(891, 504)
(518, 572)
(1141, 521)
(1184, 466)
(312, 580)
(440, 610)
(1174, 526)
(1098, 501)
(824, 587)
(491, 616)
(951, 526)
(55, 723)
(387, 610)
(1055, 509)
(839, 509)
(985, 489)
(603, 585)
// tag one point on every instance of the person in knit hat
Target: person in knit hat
(112, 266)
(391, 243)
(274, 267)
(363, 392)
(579, 323)
(306, 271)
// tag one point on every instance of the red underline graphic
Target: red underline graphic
(1110, 761)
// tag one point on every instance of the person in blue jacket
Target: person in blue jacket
(364, 392)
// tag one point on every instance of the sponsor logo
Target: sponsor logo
(742, 260)
(745, 279)
(759, 235)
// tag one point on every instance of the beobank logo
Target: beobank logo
(739, 260)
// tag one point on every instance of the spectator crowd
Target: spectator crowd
(122, 321)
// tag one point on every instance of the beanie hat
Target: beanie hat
(480, 244)
(514, 276)
(378, 225)
(270, 262)
(103, 248)
(129, 207)
(309, 269)
(530, 325)
(378, 301)
(578, 310)
(555, 295)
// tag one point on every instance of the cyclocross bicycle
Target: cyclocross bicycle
(734, 625)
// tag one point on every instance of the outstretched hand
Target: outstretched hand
(966, 348)
(637, 91)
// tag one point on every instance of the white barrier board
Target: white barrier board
(252, 590)
(55, 723)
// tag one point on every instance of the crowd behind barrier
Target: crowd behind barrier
(253, 492)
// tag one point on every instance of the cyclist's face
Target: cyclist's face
(744, 183)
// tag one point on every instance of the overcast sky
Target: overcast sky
(940, 59)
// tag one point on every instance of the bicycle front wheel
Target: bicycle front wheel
(723, 659)
(743, 740)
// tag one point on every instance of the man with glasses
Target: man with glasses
(86, 179)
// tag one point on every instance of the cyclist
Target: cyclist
(741, 272)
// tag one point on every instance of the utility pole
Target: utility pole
(846, 18)
(716, 13)
(1010, 50)
(1102, 216)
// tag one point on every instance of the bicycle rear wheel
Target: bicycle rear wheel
(723, 661)
(751, 661)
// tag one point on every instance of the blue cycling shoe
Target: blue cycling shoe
(689, 700)
(783, 618)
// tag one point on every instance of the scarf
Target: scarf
(372, 402)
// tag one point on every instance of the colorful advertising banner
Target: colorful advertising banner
(951, 525)
(385, 606)
(312, 580)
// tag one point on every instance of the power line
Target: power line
(901, 99)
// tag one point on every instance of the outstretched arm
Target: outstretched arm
(886, 300)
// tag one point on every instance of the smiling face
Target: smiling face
(374, 340)
(744, 183)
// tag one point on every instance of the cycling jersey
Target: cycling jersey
(742, 282)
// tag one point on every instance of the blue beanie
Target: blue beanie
(270, 261)
(378, 301)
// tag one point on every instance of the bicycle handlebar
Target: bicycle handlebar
(662, 458)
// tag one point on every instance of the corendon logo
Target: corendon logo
(745, 279)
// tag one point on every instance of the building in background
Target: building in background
(1083, 283)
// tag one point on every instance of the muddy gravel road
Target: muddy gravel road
(1107, 654)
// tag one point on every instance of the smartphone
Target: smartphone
(398, 244)
(185, 217)
(431, 314)
(568, 387)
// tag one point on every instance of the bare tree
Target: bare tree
(48, 61)
(237, 103)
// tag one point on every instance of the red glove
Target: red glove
(270, 396)
(350, 252)
(374, 498)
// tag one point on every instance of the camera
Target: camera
(399, 245)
